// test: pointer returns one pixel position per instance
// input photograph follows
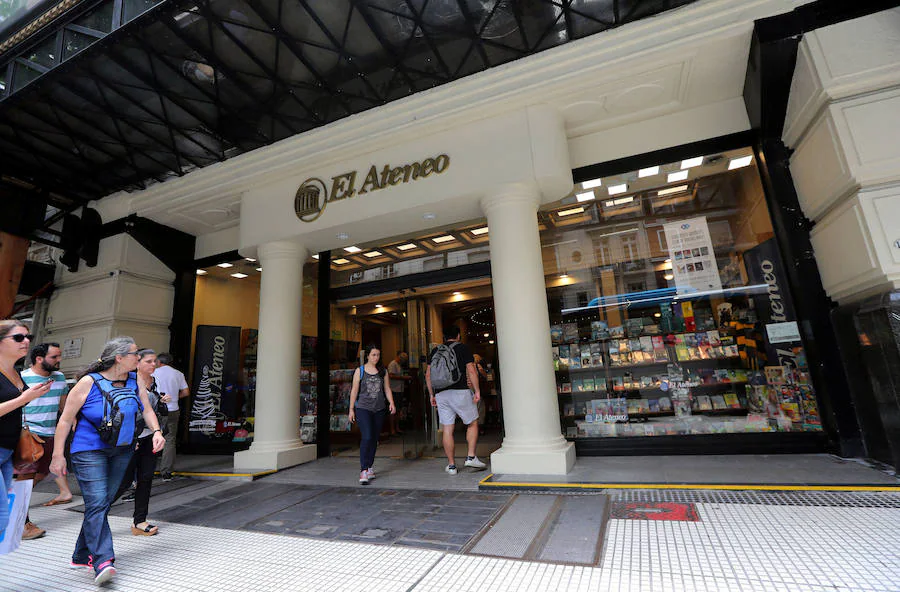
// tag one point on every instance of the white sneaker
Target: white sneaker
(105, 574)
(370, 473)
(475, 463)
(451, 469)
(364, 478)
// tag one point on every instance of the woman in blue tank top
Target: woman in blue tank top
(100, 459)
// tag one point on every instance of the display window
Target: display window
(669, 309)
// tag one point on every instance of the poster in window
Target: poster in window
(693, 259)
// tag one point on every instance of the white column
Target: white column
(276, 439)
(534, 444)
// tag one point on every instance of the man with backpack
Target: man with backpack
(450, 371)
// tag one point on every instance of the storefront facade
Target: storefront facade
(679, 284)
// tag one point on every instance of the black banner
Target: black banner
(773, 303)
(215, 412)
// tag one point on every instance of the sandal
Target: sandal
(148, 530)
(57, 502)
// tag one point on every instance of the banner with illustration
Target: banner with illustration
(215, 409)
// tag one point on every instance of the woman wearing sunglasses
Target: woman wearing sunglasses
(100, 451)
(14, 343)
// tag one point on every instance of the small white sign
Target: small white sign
(72, 348)
(783, 332)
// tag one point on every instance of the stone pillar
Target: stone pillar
(533, 443)
(276, 440)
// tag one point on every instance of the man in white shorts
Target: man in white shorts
(457, 400)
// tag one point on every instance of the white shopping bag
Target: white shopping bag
(19, 499)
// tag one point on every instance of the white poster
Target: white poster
(693, 259)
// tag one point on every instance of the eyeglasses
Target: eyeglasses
(134, 353)
(19, 337)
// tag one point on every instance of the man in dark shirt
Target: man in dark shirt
(457, 400)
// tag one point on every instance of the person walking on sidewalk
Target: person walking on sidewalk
(109, 407)
(143, 461)
(40, 416)
(170, 382)
(370, 401)
(14, 342)
(450, 371)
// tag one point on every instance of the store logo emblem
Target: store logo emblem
(685, 226)
(309, 203)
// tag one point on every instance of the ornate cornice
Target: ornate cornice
(38, 24)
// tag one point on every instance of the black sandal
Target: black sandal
(148, 530)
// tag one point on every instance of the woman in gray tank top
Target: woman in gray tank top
(370, 401)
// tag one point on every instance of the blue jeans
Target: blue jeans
(369, 423)
(6, 466)
(99, 474)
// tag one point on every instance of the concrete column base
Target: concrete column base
(510, 461)
(271, 458)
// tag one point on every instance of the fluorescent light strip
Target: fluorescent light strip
(341, 261)
(239, 276)
(250, 259)
(672, 190)
(679, 176)
(224, 265)
(352, 249)
(479, 231)
(649, 171)
(691, 162)
(443, 239)
(618, 202)
(592, 184)
(202, 272)
(617, 189)
(407, 247)
(259, 269)
(739, 163)
(371, 254)
(586, 196)
(569, 212)
(316, 257)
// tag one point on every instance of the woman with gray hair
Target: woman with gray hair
(111, 410)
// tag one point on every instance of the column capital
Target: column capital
(510, 193)
(282, 250)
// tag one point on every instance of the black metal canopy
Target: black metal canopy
(118, 94)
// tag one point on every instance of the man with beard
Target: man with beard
(40, 416)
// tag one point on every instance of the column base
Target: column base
(274, 459)
(558, 461)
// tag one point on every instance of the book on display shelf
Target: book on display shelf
(570, 332)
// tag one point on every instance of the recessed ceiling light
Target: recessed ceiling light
(239, 276)
(406, 247)
(316, 257)
(672, 190)
(617, 189)
(429, 216)
(491, 342)
(201, 272)
(563, 276)
(479, 231)
(737, 163)
(457, 293)
(443, 239)
(341, 261)
(657, 314)
(342, 236)
(669, 276)
(592, 183)
(679, 176)
(649, 171)
(259, 269)
(371, 254)
(250, 259)
(378, 306)
(224, 265)
(618, 202)
(586, 196)
(352, 249)
(667, 261)
(569, 212)
(691, 162)
(487, 334)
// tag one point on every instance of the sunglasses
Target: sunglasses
(19, 337)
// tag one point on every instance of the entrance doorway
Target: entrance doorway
(412, 321)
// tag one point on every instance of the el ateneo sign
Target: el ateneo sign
(314, 194)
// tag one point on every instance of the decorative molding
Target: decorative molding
(37, 24)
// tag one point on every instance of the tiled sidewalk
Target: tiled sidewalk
(716, 543)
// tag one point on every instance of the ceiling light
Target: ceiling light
(592, 183)
(479, 231)
(341, 261)
(239, 276)
(672, 190)
(352, 249)
(224, 265)
(491, 342)
(487, 334)
(201, 272)
(618, 202)
(316, 257)
(429, 216)
(649, 171)
(378, 306)
(371, 254)
(250, 259)
(617, 189)
(679, 176)
(443, 239)
(737, 163)
(657, 314)
(586, 196)
(668, 277)
(259, 269)
(342, 236)
(570, 212)
(406, 247)
(563, 276)
(457, 293)
(667, 261)
(691, 162)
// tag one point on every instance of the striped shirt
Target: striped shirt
(40, 414)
